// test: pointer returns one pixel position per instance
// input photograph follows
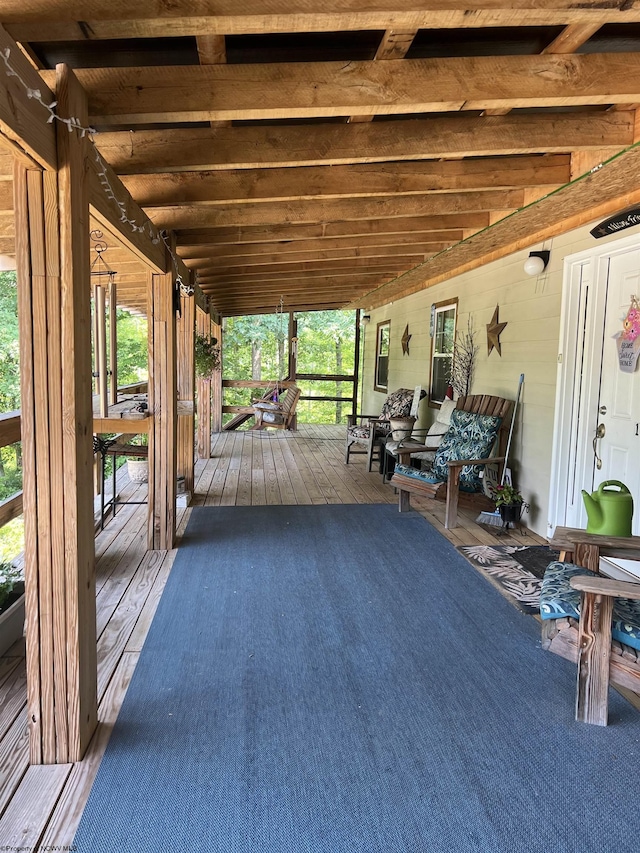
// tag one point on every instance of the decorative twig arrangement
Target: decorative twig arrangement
(464, 360)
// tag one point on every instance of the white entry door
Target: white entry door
(595, 398)
(619, 393)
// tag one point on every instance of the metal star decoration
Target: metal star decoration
(405, 341)
(494, 330)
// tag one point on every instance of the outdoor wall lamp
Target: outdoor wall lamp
(537, 262)
(365, 319)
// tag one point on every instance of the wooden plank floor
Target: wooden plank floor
(42, 805)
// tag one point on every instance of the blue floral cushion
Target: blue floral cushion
(470, 436)
(415, 473)
(558, 598)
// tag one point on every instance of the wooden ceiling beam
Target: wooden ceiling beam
(361, 181)
(373, 274)
(103, 182)
(253, 147)
(595, 196)
(320, 89)
(369, 255)
(232, 310)
(24, 123)
(363, 247)
(293, 232)
(270, 213)
(68, 20)
(322, 266)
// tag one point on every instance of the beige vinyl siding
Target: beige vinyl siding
(531, 308)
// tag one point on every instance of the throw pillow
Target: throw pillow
(470, 436)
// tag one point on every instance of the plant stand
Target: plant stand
(510, 515)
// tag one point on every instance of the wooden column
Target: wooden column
(216, 380)
(186, 325)
(203, 394)
(163, 410)
(52, 252)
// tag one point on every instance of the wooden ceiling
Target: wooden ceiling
(348, 152)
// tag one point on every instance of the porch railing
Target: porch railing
(11, 507)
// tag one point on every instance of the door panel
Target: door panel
(619, 395)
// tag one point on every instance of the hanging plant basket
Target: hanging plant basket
(206, 356)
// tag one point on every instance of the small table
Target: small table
(114, 447)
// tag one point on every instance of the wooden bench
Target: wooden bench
(588, 642)
(278, 415)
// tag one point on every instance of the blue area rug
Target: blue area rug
(338, 679)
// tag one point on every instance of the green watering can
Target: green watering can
(609, 512)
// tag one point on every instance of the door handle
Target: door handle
(600, 433)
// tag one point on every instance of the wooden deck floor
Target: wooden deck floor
(42, 804)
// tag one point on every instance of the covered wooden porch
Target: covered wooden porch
(246, 468)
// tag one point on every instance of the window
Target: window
(443, 335)
(381, 381)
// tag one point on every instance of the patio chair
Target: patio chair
(592, 620)
(419, 438)
(367, 430)
(479, 426)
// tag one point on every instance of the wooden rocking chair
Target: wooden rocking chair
(409, 481)
(604, 637)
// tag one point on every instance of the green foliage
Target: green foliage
(254, 347)
(206, 356)
(132, 348)
(9, 347)
(507, 495)
(9, 577)
(10, 471)
(12, 539)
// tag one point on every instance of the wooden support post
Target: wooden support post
(52, 252)
(203, 394)
(163, 410)
(216, 383)
(186, 388)
(594, 651)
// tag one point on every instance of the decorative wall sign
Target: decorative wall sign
(628, 340)
(405, 341)
(625, 219)
(494, 329)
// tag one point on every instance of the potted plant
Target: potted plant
(138, 466)
(206, 356)
(11, 605)
(509, 502)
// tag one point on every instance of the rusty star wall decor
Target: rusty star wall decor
(494, 329)
(405, 341)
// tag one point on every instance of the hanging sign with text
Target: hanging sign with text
(625, 219)
(628, 340)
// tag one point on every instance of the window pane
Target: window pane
(442, 354)
(382, 356)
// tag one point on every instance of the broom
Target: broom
(494, 519)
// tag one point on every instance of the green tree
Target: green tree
(132, 348)
(9, 345)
